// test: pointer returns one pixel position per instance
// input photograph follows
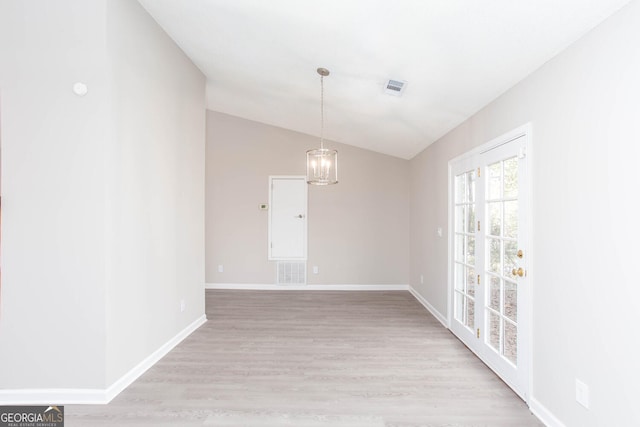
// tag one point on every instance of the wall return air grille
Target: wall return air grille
(292, 273)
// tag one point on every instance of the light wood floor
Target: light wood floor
(314, 359)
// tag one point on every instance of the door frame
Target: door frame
(525, 131)
(306, 218)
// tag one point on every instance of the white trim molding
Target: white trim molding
(127, 379)
(272, 287)
(430, 308)
(543, 414)
(49, 396)
(96, 396)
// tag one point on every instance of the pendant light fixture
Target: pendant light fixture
(322, 163)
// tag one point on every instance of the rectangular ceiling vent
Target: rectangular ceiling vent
(395, 87)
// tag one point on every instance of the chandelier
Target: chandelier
(322, 163)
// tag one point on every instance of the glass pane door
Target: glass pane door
(501, 243)
(488, 260)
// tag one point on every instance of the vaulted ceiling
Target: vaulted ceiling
(260, 59)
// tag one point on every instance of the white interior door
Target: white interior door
(490, 297)
(288, 218)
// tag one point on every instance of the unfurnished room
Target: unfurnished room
(245, 213)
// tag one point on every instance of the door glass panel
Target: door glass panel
(459, 307)
(494, 255)
(494, 330)
(511, 219)
(495, 181)
(459, 249)
(471, 222)
(495, 218)
(510, 300)
(470, 313)
(471, 281)
(510, 342)
(460, 193)
(460, 210)
(494, 292)
(511, 178)
(459, 279)
(510, 257)
(471, 250)
(470, 187)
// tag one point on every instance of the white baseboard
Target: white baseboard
(53, 396)
(431, 309)
(128, 378)
(543, 414)
(272, 287)
(95, 396)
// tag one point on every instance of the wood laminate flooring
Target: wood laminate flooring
(314, 359)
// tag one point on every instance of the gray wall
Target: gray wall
(52, 319)
(103, 195)
(584, 107)
(155, 189)
(358, 229)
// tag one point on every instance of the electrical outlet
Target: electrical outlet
(315, 269)
(421, 279)
(183, 305)
(220, 268)
(582, 393)
(439, 231)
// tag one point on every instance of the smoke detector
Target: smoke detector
(394, 87)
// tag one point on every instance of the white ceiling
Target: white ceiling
(260, 59)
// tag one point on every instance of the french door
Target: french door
(490, 302)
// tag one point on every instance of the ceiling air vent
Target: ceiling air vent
(395, 87)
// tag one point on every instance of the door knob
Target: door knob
(518, 272)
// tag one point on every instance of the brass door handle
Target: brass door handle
(518, 272)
